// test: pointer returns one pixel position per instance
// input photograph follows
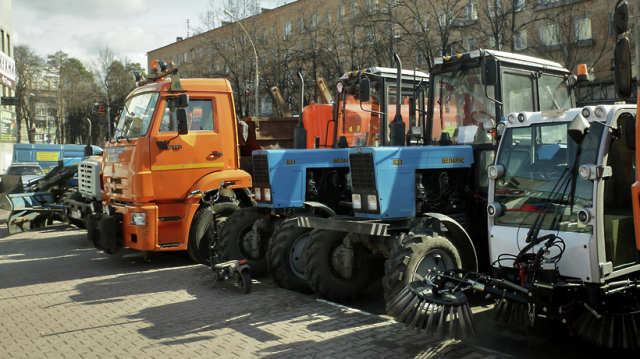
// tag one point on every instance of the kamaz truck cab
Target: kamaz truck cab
(429, 198)
(174, 137)
(288, 183)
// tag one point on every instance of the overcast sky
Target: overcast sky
(129, 28)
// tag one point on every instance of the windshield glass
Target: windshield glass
(358, 124)
(536, 160)
(554, 93)
(460, 109)
(25, 170)
(136, 115)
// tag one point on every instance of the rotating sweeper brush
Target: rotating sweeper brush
(445, 314)
(439, 308)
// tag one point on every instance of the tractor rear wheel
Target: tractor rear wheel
(234, 237)
(422, 252)
(322, 255)
(284, 256)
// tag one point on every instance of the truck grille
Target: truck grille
(89, 179)
(260, 169)
(362, 174)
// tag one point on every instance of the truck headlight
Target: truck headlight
(267, 194)
(372, 202)
(258, 193)
(138, 219)
(356, 201)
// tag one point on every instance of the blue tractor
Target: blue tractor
(316, 182)
(417, 206)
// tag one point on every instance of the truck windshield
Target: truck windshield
(136, 115)
(359, 125)
(460, 108)
(537, 160)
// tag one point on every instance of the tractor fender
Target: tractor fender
(460, 239)
(322, 209)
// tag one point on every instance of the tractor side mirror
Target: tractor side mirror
(490, 71)
(622, 64)
(365, 96)
(183, 125)
(182, 101)
(578, 129)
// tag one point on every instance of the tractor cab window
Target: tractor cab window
(136, 116)
(517, 92)
(200, 116)
(553, 93)
(462, 111)
(409, 106)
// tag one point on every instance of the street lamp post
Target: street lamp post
(257, 113)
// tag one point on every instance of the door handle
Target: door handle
(214, 153)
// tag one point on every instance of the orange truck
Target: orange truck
(174, 137)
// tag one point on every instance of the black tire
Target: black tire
(322, 276)
(284, 256)
(232, 236)
(201, 230)
(243, 280)
(417, 253)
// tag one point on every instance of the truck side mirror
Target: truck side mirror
(364, 90)
(490, 71)
(622, 65)
(630, 131)
(182, 101)
(578, 129)
(183, 125)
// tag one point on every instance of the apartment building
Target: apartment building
(8, 117)
(325, 38)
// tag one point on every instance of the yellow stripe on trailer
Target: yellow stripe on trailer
(187, 166)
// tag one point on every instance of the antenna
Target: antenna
(187, 28)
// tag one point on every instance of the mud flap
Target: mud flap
(101, 230)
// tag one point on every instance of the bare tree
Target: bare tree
(55, 64)
(29, 67)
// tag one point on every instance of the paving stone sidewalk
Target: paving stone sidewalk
(62, 298)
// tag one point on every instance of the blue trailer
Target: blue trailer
(47, 156)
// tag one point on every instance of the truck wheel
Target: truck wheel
(419, 253)
(284, 257)
(200, 231)
(320, 256)
(233, 235)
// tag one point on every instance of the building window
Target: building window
(185, 58)
(371, 36)
(494, 8)
(520, 40)
(341, 12)
(286, 29)
(472, 11)
(2, 40)
(583, 28)
(354, 10)
(549, 34)
(372, 5)
(471, 44)
(300, 23)
(313, 20)
(519, 4)
(420, 58)
(421, 24)
(443, 20)
(612, 31)
(341, 42)
(327, 16)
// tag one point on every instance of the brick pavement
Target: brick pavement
(61, 298)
